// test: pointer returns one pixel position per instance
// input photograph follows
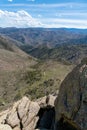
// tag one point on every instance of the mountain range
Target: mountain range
(46, 36)
(61, 44)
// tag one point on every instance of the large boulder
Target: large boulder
(71, 102)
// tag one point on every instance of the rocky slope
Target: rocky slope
(29, 115)
(12, 57)
(71, 103)
(13, 64)
(66, 112)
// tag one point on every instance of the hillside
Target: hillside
(71, 53)
(11, 57)
(21, 74)
(13, 62)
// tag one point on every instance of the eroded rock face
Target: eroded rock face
(24, 114)
(71, 103)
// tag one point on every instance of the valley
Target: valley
(62, 44)
(22, 74)
(39, 76)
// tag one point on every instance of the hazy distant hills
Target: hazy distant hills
(65, 53)
(39, 36)
(66, 44)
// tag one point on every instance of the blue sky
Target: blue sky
(43, 13)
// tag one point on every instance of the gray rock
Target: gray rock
(12, 119)
(46, 101)
(71, 103)
(23, 107)
(31, 114)
(22, 114)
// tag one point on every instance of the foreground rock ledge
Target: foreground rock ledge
(71, 103)
(29, 115)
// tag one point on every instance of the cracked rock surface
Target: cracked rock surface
(23, 115)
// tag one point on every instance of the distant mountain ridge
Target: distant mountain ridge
(46, 36)
(63, 44)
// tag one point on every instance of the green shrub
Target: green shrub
(32, 76)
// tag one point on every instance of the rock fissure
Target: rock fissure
(21, 125)
(26, 114)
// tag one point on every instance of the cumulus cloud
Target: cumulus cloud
(18, 19)
(22, 19)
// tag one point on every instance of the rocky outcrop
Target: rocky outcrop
(22, 116)
(71, 103)
(29, 115)
(46, 101)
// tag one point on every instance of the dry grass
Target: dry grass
(20, 74)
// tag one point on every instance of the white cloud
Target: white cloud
(69, 4)
(18, 19)
(68, 23)
(10, 0)
(22, 19)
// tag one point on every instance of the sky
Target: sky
(43, 13)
